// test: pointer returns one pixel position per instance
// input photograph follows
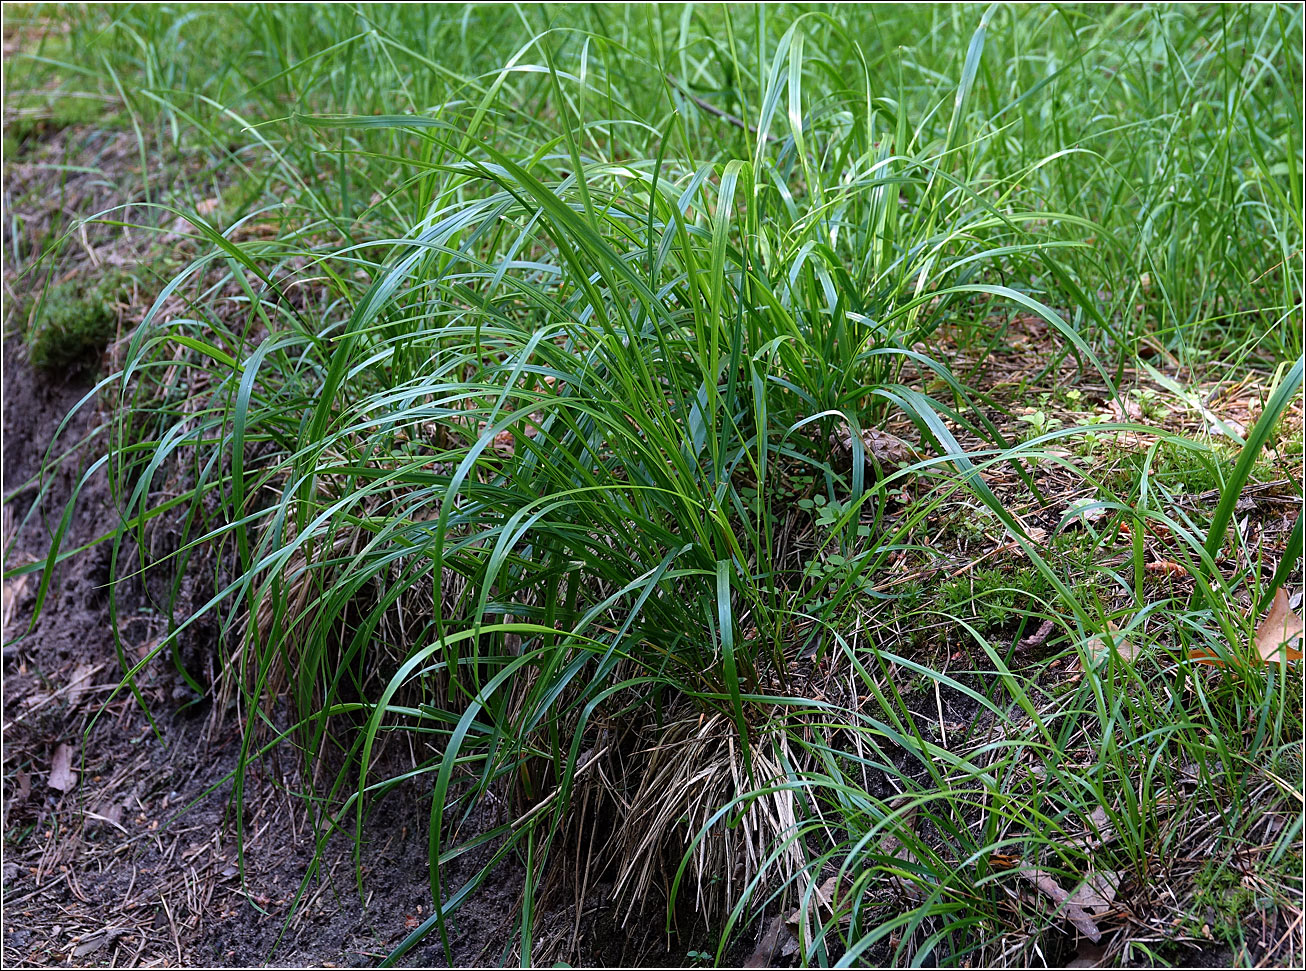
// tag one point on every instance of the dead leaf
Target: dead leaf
(1088, 956)
(1039, 637)
(1278, 638)
(62, 776)
(79, 683)
(12, 597)
(1280, 628)
(13, 591)
(1167, 567)
(110, 811)
(1098, 833)
(770, 943)
(181, 225)
(1102, 823)
(823, 898)
(108, 936)
(1131, 411)
(1226, 426)
(1097, 893)
(892, 846)
(882, 450)
(1084, 509)
(1070, 908)
(1101, 646)
(505, 442)
(826, 891)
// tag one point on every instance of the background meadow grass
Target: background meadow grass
(500, 347)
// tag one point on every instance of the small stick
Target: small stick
(1038, 638)
(712, 109)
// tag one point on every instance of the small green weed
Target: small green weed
(1221, 904)
(1040, 423)
(993, 597)
(828, 512)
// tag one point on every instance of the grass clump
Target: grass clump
(514, 435)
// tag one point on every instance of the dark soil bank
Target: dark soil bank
(120, 846)
(120, 842)
(120, 833)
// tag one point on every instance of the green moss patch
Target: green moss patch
(73, 322)
(33, 116)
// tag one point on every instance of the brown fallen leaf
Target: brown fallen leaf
(1072, 909)
(1084, 510)
(1226, 426)
(182, 225)
(505, 442)
(107, 811)
(1088, 956)
(1039, 637)
(1102, 823)
(12, 595)
(95, 943)
(1097, 893)
(1278, 638)
(1101, 646)
(80, 683)
(1279, 630)
(775, 942)
(1130, 411)
(1098, 832)
(882, 450)
(822, 897)
(893, 846)
(62, 776)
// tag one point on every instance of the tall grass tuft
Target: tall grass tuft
(501, 431)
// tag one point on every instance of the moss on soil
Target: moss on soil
(73, 321)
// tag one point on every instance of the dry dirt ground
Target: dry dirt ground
(119, 840)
